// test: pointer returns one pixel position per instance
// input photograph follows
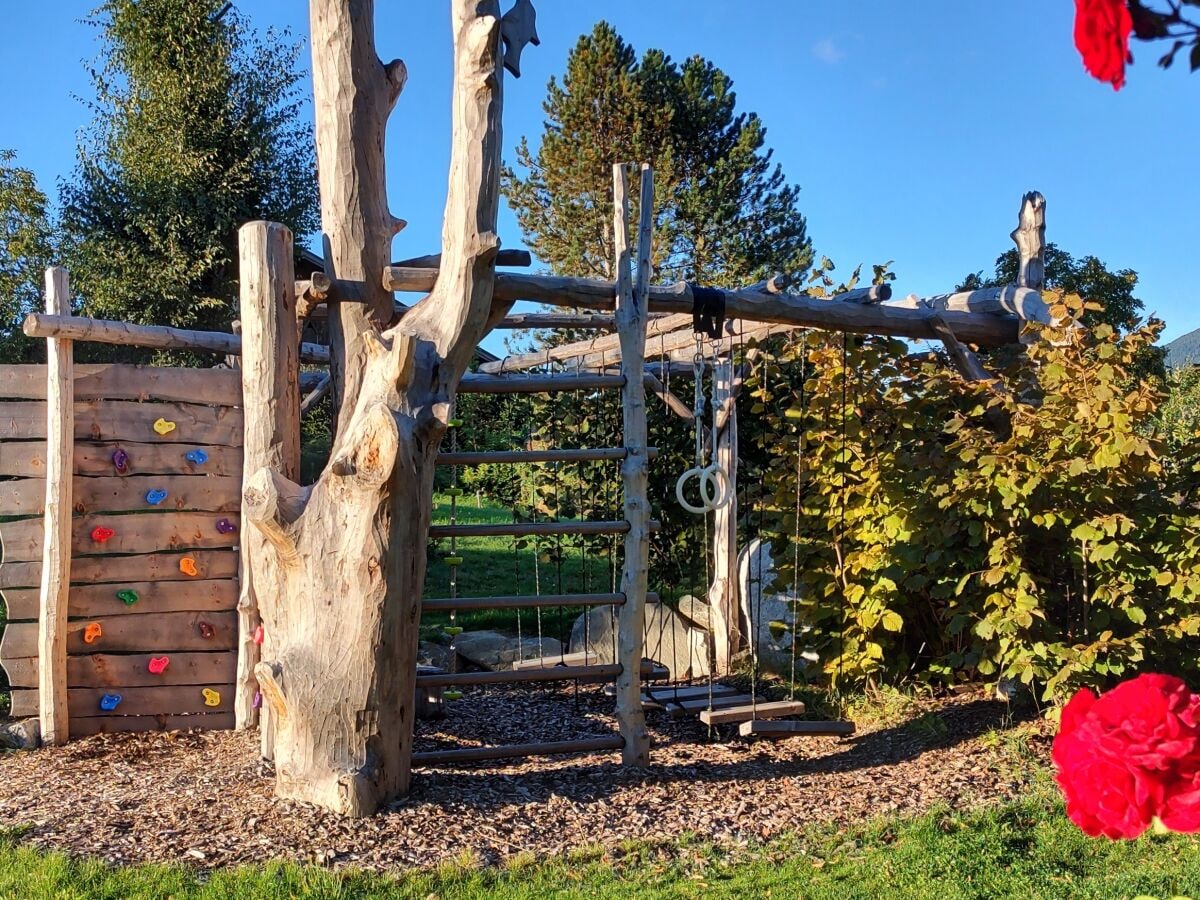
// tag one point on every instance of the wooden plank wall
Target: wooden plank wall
(191, 619)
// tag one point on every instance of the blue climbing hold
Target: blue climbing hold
(199, 457)
(155, 496)
(109, 702)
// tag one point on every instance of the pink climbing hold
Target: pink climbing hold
(158, 664)
(259, 634)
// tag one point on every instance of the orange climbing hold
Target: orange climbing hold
(187, 566)
(92, 633)
(211, 697)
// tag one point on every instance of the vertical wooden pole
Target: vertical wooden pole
(723, 593)
(631, 326)
(270, 371)
(56, 551)
(1030, 238)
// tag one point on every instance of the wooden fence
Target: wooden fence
(152, 570)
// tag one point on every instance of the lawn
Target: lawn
(1027, 849)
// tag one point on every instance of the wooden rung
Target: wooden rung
(649, 668)
(519, 676)
(469, 458)
(661, 694)
(462, 604)
(531, 529)
(774, 710)
(760, 728)
(516, 751)
(474, 383)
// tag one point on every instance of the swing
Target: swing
(762, 721)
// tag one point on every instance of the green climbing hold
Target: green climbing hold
(127, 597)
(451, 695)
(454, 492)
(455, 423)
(454, 560)
(452, 630)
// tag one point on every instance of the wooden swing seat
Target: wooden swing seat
(793, 728)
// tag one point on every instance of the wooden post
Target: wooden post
(631, 326)
(723, 593)
(1030, 238)
(271, 375)
(56, 553)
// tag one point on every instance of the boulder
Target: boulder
(696, 612)
(497, 652)
(762, 605)
(21, 734)
(437, 655)
(668, 638)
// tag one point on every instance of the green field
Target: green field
(1027, 850)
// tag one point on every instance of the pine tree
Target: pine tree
(196, 131)
(726, 214)
(25, 251)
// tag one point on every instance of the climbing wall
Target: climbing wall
(152, 632)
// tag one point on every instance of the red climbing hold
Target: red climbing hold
(259, 634)
(158, 664)
(100, 534)
(207, 631)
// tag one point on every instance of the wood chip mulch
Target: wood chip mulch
(206, 798)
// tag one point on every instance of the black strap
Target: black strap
(708, 311)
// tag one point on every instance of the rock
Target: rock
(21, 734)
(668, 639)
(762, 604)
(696, 612)
(497, 652)
(436, 655)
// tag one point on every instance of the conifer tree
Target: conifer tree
(726, 213)
(196, 131)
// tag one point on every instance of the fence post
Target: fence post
(270, 368)
(56, 550)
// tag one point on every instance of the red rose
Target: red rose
(1102, 37)
(1131, 755)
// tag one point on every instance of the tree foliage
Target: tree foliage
(196, 130)
(726, 213)
(25, 251)
(1059, 553)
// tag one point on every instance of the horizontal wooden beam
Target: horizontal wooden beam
(531, 529)
(557, 320)
(517, 259)
(830, 314)
(594, 346)
(673, 403)
(161, 337)
(473, 383)
(463, 604)
(517, 751)
(522, 676)
(490, 457)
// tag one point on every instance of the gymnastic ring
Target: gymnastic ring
(720, 484)
(683, 479)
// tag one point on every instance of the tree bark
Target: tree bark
(346, 556)
(723, 593)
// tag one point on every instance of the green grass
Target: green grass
(1026, 849)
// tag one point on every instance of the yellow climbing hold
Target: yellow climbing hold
(162, 426)
(187, 566)
(211, 697)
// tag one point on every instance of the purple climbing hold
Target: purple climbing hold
(257, 702)
(225, 526)
(155, 496)
(109, 702)
(199, 457)
(120, 460)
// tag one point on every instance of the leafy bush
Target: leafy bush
(1030, 531)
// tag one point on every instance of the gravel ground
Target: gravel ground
(206, 798)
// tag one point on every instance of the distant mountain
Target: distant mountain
(1184, 350)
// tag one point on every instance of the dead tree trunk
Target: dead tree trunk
(340, 582)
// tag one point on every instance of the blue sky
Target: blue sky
(912, 128)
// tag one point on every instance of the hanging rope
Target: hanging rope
(800, 451)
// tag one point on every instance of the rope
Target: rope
(842, 511)
(800, 451)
